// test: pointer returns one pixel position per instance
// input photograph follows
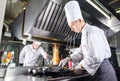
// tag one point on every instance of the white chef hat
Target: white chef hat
(73, 11)
(37, 42)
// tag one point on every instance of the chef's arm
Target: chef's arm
(44, 54)
(21, 56)
(77, 55)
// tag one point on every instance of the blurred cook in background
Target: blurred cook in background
(30, 54)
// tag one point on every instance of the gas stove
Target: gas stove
(54, 73)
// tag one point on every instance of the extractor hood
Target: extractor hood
(45, 20)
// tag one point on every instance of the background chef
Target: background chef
(30, 53)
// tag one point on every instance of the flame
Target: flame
(9, 55)
(55, 58)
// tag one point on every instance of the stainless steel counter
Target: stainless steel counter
(22, 74)
(24, 78)
(33, 78)
(18, 74)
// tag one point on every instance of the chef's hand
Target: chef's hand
(46, 56)
(64, 62)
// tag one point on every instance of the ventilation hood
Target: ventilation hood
(45, 20)
(50, 22)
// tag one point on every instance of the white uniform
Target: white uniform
(93, 50)
(29, 56)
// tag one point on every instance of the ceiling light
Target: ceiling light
(100, 9)
(118, 10)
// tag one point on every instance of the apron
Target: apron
(105, 72)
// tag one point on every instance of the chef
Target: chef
(94, 50)
(30, 53)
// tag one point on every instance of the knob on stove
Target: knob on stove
(29, 70)
(45, 69)
(34, 71)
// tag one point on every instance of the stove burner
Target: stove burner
(53, 71)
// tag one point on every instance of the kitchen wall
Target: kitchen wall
(2, 11)
(115, 42)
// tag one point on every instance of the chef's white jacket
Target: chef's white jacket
(93, 50)
(28, 55)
